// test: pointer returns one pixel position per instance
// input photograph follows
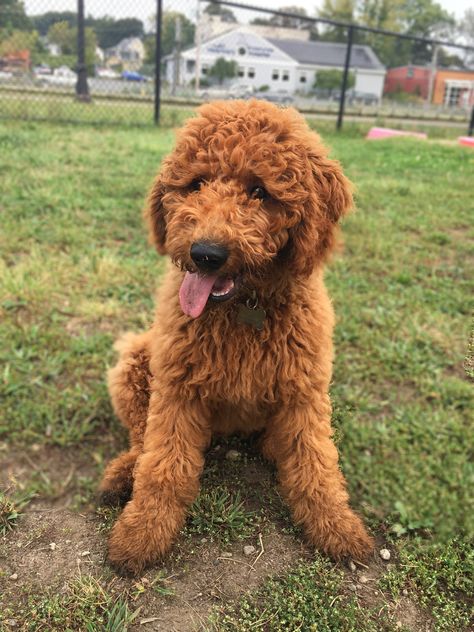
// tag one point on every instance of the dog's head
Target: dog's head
(247, 192)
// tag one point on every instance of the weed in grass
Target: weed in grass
(311, 598)
(84, 605)
(440, 576)
(11, 507)
(220, 515)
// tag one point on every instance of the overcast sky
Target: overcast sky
(144, 8)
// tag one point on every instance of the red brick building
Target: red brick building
(450, 87)
(410, 79)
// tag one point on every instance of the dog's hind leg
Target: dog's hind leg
(129, 387)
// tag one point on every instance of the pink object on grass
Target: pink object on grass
(466, 140)
(375, 133)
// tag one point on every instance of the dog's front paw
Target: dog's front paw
(349, 539)
(138, 539)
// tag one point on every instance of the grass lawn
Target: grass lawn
(76, 271)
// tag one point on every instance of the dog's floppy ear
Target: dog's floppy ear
(154, 215)
(330, 197)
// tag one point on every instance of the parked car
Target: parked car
(62, 76)
(129, 75)
(277, 96)
(355, 97)
(106, 73)
(234, 91)
(42, 69)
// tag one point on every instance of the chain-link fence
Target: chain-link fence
(105, 67)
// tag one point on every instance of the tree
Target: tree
(466, 30)
(331, 79)
(42, 23)
(284, 21)
(66, 38)
(223, 69)
(225, 14)
(13, 16)
(168, 35)
(111, 31)
(341, 11)
(15, 41)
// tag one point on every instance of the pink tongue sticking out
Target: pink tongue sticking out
(194, 292)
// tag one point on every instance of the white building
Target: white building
(281, 64)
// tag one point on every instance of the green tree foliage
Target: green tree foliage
(223, 69)
(65, 37)
(15, 41)
(43, 22)
(110, 31)
(422, 18)
(168, 35)
(225, 14)
(13, 16)
(331, 79)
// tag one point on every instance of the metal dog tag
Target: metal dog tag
(250, 314)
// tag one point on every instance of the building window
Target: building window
(251, 73)
(451, 95)
(241, 72)
(410, 72)
(190, 65)
(286, 75)
(204, 70)
(303, 78)
(242, 51)
(275, 75)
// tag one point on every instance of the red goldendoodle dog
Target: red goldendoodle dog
(246, 206)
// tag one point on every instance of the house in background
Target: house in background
(281, 64)
(451, 86)
(128, 54)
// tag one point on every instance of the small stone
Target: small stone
(232, 455)
(226, 554)
(384, 554)
(398, 624)
(352, 566)
(11, 622)
(249, 550)
(84, 553)
(52, 546)
(405, 592)
(14, 576)
(352, 587)
(203, 540)
(363, 579)
(68, 541)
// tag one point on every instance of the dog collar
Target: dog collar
(250, 313)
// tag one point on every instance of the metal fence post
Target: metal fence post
(345, 77)
(158, 62)
(82, 87)
(470, 131)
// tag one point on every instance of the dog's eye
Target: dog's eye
(196, 184)
(258, 193)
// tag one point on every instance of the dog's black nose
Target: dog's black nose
(208, 257)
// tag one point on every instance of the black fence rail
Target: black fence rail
(99, 62)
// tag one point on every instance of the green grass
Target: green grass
(83, 605)
(76, 270)
(311, 597)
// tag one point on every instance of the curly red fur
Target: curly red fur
(187, 379)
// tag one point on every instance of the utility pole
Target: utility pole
(176, 55)
(158, 62)
(82, 88)
(434, 64)
(345, 76)
(198, 48)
